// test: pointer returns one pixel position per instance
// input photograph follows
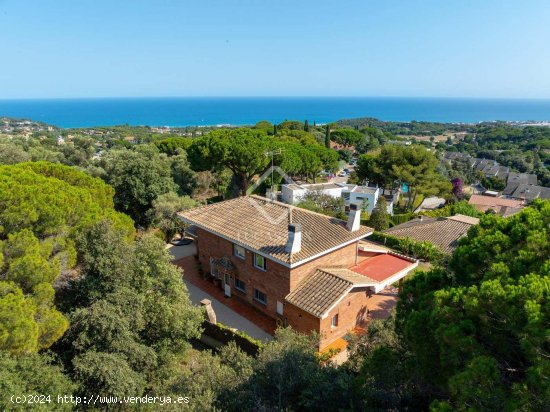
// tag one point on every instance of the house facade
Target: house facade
(300, 268)
(365, 196)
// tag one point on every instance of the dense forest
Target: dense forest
(90, 303)
(403, 128)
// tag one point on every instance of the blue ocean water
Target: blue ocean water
(249, 110)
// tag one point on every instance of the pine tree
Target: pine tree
(306, 126)
(327, 136)
(380, 219)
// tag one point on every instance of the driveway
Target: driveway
(181, 251)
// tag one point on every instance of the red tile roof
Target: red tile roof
(383, 266)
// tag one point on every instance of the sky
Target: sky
(413, 48)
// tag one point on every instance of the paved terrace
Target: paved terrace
(229, 311)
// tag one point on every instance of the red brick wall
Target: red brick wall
(352, 311)
(301, 320)
(276, 282)
(343, 257)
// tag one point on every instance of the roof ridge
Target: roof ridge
(326, 270)
(350, 272)
(400, 255)
(301, 209)
(419, 223)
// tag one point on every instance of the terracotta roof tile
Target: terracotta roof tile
(320, 291)
(480, 200)
(443, 233)
(465, 219)
(261, 225)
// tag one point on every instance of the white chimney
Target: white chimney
(354, 218)
(294, 242)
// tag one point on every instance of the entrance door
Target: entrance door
(227, 285)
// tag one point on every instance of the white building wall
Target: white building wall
(290, 195)
(294, 195)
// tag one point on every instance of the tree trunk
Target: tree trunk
(413, 199)
(244, 184)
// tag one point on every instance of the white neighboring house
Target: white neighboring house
(352, 194)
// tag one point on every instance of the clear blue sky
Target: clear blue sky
(451, 48)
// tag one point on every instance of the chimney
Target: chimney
(210, 314)
(354, 218)
(294, 242)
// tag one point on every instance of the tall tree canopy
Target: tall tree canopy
(163, 214)
(130, 313)
(413, 165)
(43, 207)
(243, 151)
(240, 150)
(138, 177)
(347, 137)
(474, 336)
(33, 374)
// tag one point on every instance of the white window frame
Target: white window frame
(256, 255)
(256, 293)
(238, 248)
(238, 287)
(334, 321)
(279, 308)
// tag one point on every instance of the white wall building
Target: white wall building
(363, 196)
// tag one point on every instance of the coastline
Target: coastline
(181, 112)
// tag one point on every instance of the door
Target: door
(227, 285)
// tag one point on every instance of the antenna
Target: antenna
(272, 153)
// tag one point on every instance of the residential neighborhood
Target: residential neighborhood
(270, 206)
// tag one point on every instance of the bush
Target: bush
(419, 250)
(399, 219)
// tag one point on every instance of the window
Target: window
(239, 251)
(240, 285)
(260, 297)
(259, 261)
(279, 308)
(334, 321)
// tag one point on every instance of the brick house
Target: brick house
(298, 267)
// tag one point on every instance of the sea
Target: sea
(209, 111)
